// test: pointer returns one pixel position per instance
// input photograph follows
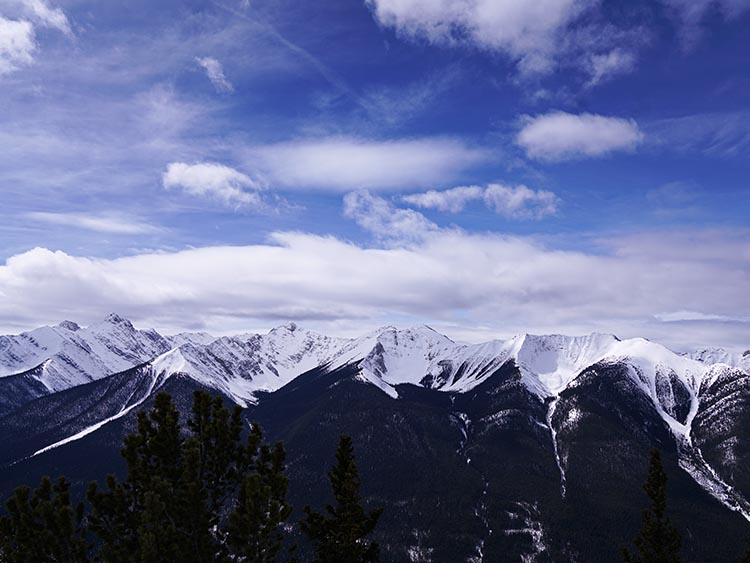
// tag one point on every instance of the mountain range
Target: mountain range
(527, 449)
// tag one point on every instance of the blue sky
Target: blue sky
(505, 166)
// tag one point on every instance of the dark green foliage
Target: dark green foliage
(43, 526)
(195, 498)
(658, 541)
(339, 535)
(746, 557)
(254, 532)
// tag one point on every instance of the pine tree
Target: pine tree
(254, 526)
(658, 540)
(339, 535)
(180, 487)
(746, 557)
(43, 526)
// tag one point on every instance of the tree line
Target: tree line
(191, 495)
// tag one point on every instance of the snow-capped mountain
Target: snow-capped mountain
(240, 366)
(67, 355)
(521, 424)
(721, 356)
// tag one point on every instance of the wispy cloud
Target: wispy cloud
(387, 222)
(603, 66)
(690, 15)
(215, 72)
(514, 202)
(564, 136)
(47, 15)
(102, 222)
(725, 134)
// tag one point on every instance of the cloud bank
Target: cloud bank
(502, 283)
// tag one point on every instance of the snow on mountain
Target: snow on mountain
(176, 340)
(721, 356)
(241, 365)
(68, 355)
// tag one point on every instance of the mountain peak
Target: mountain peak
(286, 327)
(114, 318)
(69, 325)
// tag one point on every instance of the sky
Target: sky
(487, 167)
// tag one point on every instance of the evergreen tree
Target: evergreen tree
(339, 535)
(658, 540)
(254, 526)
(187, 496)
(746, 557)
(43, 526)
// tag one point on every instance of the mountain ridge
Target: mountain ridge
(556, 411)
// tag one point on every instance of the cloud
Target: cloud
(606, 65)
(214, 180)
(725, 134)
(691, 14)
(348, 163)
(47, 16)
(452, 200)
(563, 136)
(101, 222)
(17, 36)
(527, 32)
(505, 284)
(215, 73)
(17, 44)
(519, 202)
(677, 316)
(384, 220)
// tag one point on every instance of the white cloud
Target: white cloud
(384, 220)
(47, 16)
(346, 163)
(214, 180)
(101, 222)
(528, 32)
(215, 73)
(17, 36)
(452, 200)
(519, 202)
(606, 65)
(563, 136)
(544, 36)
(17, 44)
(504, 284)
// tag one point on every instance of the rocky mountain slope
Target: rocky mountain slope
(516, 446)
